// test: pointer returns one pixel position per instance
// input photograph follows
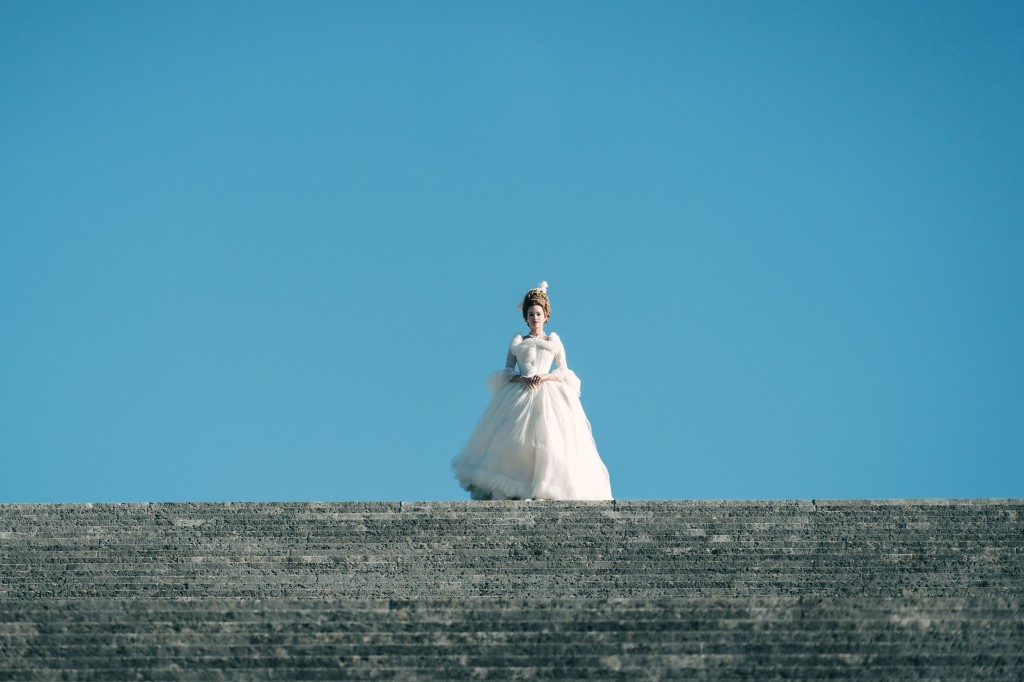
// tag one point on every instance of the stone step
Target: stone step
(482, 585)
(699, 668)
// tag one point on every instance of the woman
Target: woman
(533, 440)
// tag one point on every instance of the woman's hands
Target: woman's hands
(535, 380)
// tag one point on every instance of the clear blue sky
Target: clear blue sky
(270, 251)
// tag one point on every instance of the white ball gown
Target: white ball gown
(533, 443)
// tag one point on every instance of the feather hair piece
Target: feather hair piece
(543, 286)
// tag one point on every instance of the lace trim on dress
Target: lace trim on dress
(495, 380)
(552, 343)
(569, 378)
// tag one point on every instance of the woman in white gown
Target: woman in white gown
(533, 440)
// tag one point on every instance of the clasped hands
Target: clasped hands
(533, 381)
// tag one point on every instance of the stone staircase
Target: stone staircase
(878, 590)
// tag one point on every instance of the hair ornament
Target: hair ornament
(542, 287)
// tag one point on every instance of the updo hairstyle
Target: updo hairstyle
(538, 296)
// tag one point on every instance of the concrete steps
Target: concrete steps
(921, 589)
(894, 639)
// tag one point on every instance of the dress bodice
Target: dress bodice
(534, 355)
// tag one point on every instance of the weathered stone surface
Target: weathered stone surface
(896, 589)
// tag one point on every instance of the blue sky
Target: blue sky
(270, 251)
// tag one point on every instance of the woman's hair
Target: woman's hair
(538, 296)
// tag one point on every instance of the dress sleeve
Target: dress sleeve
(498, 379)
(562, 371)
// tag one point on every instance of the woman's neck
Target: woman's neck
(538, 334)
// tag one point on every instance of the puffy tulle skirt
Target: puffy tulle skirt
(533, 444)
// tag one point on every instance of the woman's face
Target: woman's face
(535, 318)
